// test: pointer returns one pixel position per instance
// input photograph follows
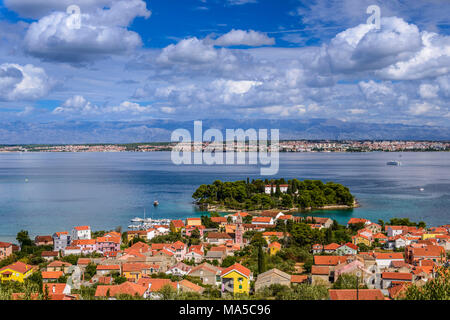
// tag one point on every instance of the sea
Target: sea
(48, 192)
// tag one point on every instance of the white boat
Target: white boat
(393, 163)
(137, 220)
(156, 203)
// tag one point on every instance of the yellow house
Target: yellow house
(193, 222)
(18, 271)
(426, 236)
(274, 247)
(361, 239)
(176, 225)
(236, 279)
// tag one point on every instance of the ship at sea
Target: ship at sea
(393, 163)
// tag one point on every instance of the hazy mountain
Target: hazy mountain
(160, 130)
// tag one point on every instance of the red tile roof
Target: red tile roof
(320, 270)
(51, 274)
(396, 276)
(239, 268)
(329, 260)
(352, 294)
(124, 288)
(80, 228)
(18, 267)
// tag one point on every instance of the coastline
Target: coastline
(216, 208)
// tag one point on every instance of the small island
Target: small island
(290, 195)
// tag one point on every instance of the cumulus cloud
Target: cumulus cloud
(26, 82)
(246, 38)
(102, 32)
(78, 105)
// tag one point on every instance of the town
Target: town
(284, 146)
(271, 255)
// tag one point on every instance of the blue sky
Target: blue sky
(199, 59)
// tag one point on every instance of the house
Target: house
(354, 267)
(61, 240)
(43, 240)
(426, 252)
(268, 235)
(218, 255)
(331, 248)
(382, 238)
(49, 276)
(180, 269)
(388, 278)
(263, 220)
(104, 269)
(359, 221)
(153, 286)
(134, 271)
(320, 275)
(128, 288)
(6, 249)
(193, 222)
(61, 266)
(274, 247)
(384, 260)
(83, 262)
(50, 255)
(353, 294)
(273, 187)
(81, 233)
(362, 238)
(56, 291)
(347, 249)
(163, 258)
(217, 238)
(86, 245)
(187, 286)
(207, 273)
(324, 222)
(273, 276)
(194, 254)
(176, 225)
(219, 220)
(317, 248)
(72, 250)
(107, 244)
(17, 271)
(179, 249)
(133, 234)
(393, 231)
(373, 227)
(236, 279)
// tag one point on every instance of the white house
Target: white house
(393, 231)
(162, 230)
(401, 242)
(72, 250)
(283, 188)
(347, 249)
(384, 260)
(151, 233)
(81, 233)
(180, 269)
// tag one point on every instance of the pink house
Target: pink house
(86, 245)
(5, 250)
(107, 244)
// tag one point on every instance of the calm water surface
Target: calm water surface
(48, 192)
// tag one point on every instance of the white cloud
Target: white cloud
(78, 105)
(103, 32)
(422, 108)
(23, 82)
(428, 91)
(241, 37)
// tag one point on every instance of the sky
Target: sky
(134, 60)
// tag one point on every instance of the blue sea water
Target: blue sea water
(48, 192)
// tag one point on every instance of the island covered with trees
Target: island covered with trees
(284, 195)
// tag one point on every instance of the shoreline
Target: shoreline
(215, 208)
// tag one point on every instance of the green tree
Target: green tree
(24, 239)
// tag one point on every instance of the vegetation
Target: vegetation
(251, 195)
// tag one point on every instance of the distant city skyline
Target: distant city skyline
(136, 60)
